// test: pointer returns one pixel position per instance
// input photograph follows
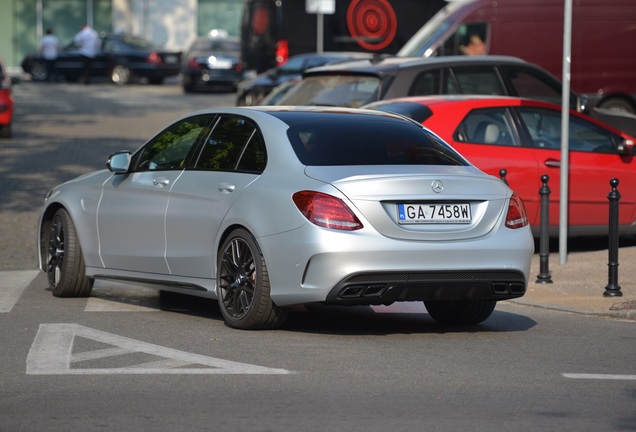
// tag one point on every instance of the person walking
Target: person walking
(89, 45)
(49, 47)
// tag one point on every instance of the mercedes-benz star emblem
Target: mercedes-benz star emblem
(437, 186)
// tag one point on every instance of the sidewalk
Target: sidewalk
(578, 286)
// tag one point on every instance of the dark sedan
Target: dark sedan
(212, 63)
(253, 91)
(122, 58)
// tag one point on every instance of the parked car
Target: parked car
(268, 207)
(122, 59)
(6, 102)
(357, 83)
(252, 91)
(212, 62)
(601, 64)
(524, 138)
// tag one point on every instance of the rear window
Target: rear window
(334, 90)
(375, 141)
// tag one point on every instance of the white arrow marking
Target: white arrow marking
(52, 354)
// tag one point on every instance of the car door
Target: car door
(132, 209)
(231, 158)
(488, 138)
(593, 161)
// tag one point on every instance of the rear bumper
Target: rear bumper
(386, 288)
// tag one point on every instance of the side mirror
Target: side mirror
(583, 104)
(119, 162)
(625, 147)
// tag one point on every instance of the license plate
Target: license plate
(431, 213)
(170, 59)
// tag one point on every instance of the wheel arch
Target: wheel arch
(623, 97)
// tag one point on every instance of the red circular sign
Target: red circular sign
(260, 21)
(372, 23)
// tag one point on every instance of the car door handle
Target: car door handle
(226, 188)
(552, 163)
(161, 182)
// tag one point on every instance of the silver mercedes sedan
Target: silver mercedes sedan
(264, 208)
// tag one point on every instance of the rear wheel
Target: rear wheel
(120, 75)
(243, 285)
(39, 71)
(65, 265)
(617, 105)
(460, 312)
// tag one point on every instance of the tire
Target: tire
(39, 71)
(243, 285)
(120, 75)
(5, 131)
(617, 105)
(64, 261)
(462, 312)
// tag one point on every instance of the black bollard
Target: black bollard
(613, 289)
(544, 275)
(502, 175)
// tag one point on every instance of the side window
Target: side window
(169, 149)
(468, 39)
(426, 83)
(486, 126)
(254, 157)
(544, 127)
(533, 85)
(226, 144)
(479, 80)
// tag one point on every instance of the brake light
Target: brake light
(194, 64)
(154, 58)
(282, 52)
(326, 211)
(516, 217)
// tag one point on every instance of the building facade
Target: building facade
(171, 23)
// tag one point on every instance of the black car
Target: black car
(212, 63)
(252, 91)
(122, 58)
(358, 83)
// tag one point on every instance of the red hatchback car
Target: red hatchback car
(6, 103)
(524, 138)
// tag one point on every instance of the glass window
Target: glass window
(479, 80)
(226, 144)
(334, 90)
(486, 126)
(426, 83)
(376, 141)
(544, 127)
(170, 149)
(532, 84)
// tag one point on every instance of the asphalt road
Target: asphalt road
(128, 358)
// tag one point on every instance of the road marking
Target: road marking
(52, 354)
(12, 285)
(601, 376)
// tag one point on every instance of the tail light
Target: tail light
(238, 67)
(516, 217)
(282, 52)
(326, 211)
(194, 64)
(154, 58)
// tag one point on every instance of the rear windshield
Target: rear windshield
(373, 142)
(334, 90)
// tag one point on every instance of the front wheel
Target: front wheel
(65, 264)
(243, 285)
(460, 312)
